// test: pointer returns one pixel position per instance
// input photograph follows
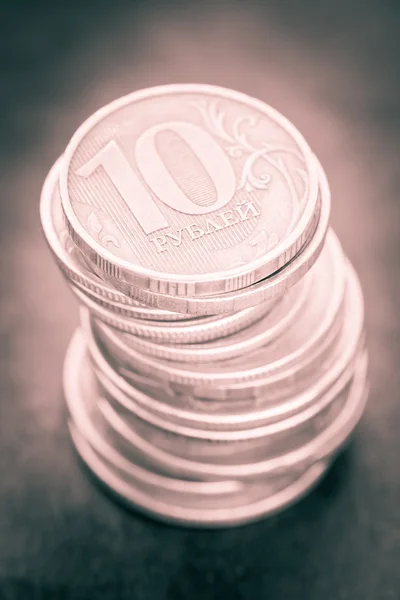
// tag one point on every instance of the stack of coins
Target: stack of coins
(220, 363)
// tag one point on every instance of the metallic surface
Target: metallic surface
(124, 138)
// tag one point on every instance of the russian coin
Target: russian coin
(199, 329)
(321, 446)
(220, 347)
(183, 493)
(81, 401)
(318, 316)
(323, 419)
(217, 516)
(219, 446)
(270, 398)
(221, 416)
(267, 289)
(298, 409)
(267, 396)
(188, 190)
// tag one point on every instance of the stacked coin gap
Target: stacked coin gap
(220, 363)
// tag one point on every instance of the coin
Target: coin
(242, 417)
(319, 447)
(150, 444)
(270, 399)
(198, 329)
(188, 190)
(223, 415)
(267, 396)
(325, 299)
(236, 343)
(182, 492)
(217, 516)
(219, 446)
(233, 416)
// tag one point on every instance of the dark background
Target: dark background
(331, 67)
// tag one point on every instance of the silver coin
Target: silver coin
(221, 446)
(269, 288)
(254, 335)
(325, 300)
(321, 446)
(181, 492)
(232, 446)
(162, 399)
(199, 329)
(240, 423)
(269, 398)
(224, 416)
(231, 204)
(188, 495)
(218, 516)
(208, 496)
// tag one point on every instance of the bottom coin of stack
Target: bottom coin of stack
(231, 429)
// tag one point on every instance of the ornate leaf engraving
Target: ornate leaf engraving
(237, 145)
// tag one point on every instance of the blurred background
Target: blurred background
(333, 69)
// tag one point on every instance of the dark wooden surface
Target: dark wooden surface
(332, 67)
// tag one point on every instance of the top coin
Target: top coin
(188, 190)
